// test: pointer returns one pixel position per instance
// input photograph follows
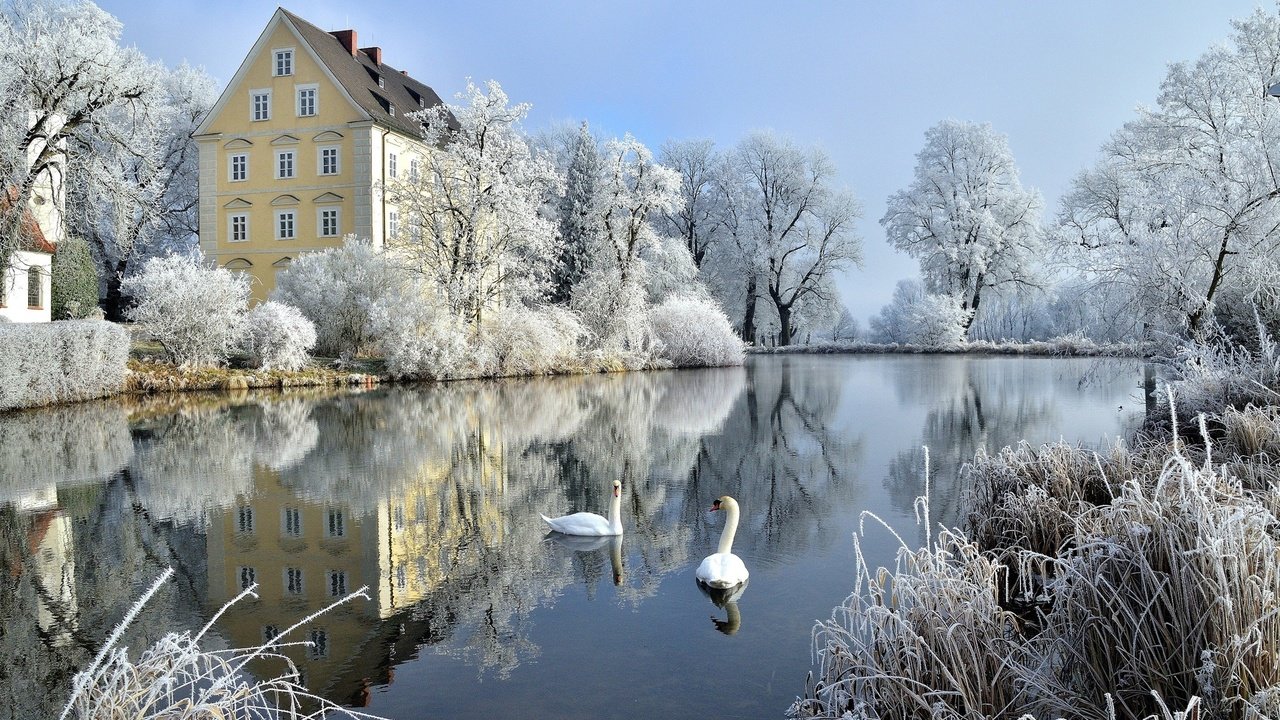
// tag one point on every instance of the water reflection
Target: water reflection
(727, 599)
(431, 497)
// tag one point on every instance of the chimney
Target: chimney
(347, 38)
(374, 53)
(404, 72)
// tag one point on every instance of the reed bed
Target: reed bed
(1140, 581)
(175, 679)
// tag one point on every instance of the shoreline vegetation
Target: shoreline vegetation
(1139, 581)
(1070, 346)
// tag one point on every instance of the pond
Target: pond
(430, 496)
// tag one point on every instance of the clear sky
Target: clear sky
(863, 80)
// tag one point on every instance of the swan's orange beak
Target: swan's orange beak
(617, 491)
(714, 506)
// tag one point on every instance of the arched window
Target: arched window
(35, 288)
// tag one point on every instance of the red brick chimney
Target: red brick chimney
(374, 53)
(348, 40)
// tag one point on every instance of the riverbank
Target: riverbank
(1058, 347)
(1139, 581)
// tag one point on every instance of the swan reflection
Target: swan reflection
(587, 544)
(726, 598)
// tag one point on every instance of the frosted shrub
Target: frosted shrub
(46, 363)
(533, 341)
(194, 311)
(616, 317)
(693, 331)
(419, 338)
(936, 321)
(337, 289)
(278, 336)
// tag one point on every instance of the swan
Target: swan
(585, 523)
(724, 569)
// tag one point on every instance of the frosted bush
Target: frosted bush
(46, 363)
(194, 311)
(337, 289)
(533, 341)
(616, 317)
(693, 331)
(420, 338)
(278, 336)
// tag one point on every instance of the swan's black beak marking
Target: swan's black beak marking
(714, 506)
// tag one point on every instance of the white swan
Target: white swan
(585, 523)
(724, 569)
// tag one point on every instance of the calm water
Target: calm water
(430, 497)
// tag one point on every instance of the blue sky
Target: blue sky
(863, 80)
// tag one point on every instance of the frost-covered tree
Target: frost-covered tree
(965, 216)
(61, 69)
(195, 312)
(634, 192)
(917, 317)
(474, 207)
(1185, 196)
(582, 180)
(847, 327)
(136, 176)
(696, 219)
(789, 229)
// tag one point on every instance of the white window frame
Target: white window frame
(253, 104)
(293, 224)
(312, 88)
(336, 583)
(337, 159)
(287, 55)
(293, 164)
(393, 223)
(246, 576)
(392, 165)
(245, 524)
(319, 644)
(415, 169)
(243, 217)
(231, 167)
(335, 525)
(336, 213)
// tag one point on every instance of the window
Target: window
(269, 633)
(327, 219)
(413, 170)
(35, 288)
(335, 527)
(292, 522)
(415, 230)
(402, 577)
(237, 227)
(329, 161)
(284, 164)
(337, 583)
(293, 580)
(319, 647)
(248, 576)
(391, 110)
(397, 519)
(244, 519)
(306, 100)
(284, 62)
(393, 223)
(260, 104)
(238, 167)
(285, 225)
(391, 165)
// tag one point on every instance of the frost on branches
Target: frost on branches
(966, 216)
(195, 312)
(336, 289)
(278, 336)
(917, 317)
(471, 213)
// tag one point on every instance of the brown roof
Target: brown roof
(359, 75)
(31, 237)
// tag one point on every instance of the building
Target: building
(293, 154)
(25, 278)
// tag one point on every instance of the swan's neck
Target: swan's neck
(730, 527)
(615, 512)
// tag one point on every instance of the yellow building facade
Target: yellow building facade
(295, 151)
